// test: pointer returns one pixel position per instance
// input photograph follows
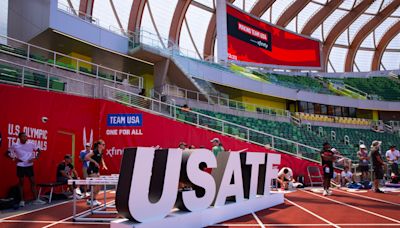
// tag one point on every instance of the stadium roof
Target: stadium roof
(358, 35)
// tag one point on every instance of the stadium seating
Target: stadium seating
(385, 88)
(332, 119)
(10, 74)
(66, 66)
(311, 137)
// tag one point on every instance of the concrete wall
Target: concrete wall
(26, 19)
(29, 18)
(76, 27)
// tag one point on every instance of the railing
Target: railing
(84, 16)
(19, 74)
(176, 91)
(351, 88)
(211, 123)
(45, 56)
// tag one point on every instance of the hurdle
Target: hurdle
(104, 181)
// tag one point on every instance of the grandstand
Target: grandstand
(288, 77)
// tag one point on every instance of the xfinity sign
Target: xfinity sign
(148, 193)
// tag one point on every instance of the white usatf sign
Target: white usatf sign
(149, 192)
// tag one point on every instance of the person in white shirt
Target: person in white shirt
(392, 156)
(346, 176)
(24, 153)
(285, 176)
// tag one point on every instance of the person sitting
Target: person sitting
(66, 171)
(392, 157)
(285, 177)
(185, 108)
(346, 177)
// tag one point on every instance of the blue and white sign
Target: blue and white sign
(124, 120)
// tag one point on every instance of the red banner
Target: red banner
(70, 121)
(252, 40)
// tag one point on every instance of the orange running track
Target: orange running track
(301, 208)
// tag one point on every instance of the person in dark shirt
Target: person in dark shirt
(327, 159)
(66, 171)
(95, 158)
(377, 164)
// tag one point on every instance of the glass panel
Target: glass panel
(382, 28)
(208, 3)
(337, 58)
(162, 15)
(368, 42)
(317, 33)
(249, 4)
(267, 15)
(123, 9)
(306, 13)
(186, 45)
(347, 4)
(391, 60)
(343, 39)
(198, 20)
(375, 6)
(279, 7)
(364, 60)
(357, 25)
(395, 43)
(103, 12)
(332, 20)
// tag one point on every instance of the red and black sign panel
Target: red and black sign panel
(252, 40)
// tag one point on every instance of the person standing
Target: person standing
(363, 163)
(24, 153)
(327, 159)
(392, 156)
(217, 146)
(96, 160)
(85, 165)
(377, 164)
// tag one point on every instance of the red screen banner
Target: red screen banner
(254, 41)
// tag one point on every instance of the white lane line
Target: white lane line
(367, 197)
(238, 225)
(339, 224)
(312, 213)
(43, 221)
(38, 209)
(81, 213)
(354, 207)
(41, 208)
(226, 224)
(258, 220)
